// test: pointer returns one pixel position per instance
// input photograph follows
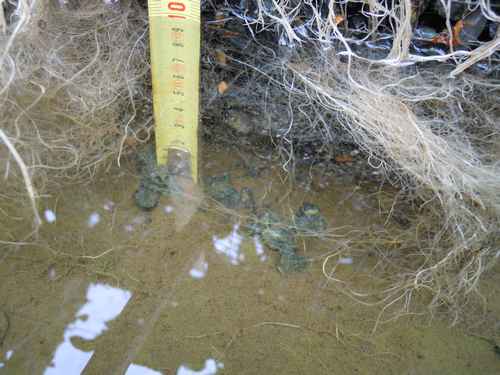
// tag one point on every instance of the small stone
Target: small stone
(146, 198)
(247, 199)
(425, 32)
(240, 121)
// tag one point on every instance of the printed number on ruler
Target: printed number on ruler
(176, 6)
(178, 67)
(180, 9)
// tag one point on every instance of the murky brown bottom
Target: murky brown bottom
(125, 292)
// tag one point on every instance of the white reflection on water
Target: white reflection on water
(200, 267)
(345, 260)
(104, 303)
(211, 367)
(50, 216)
(230, 246)
(109, 205)
(93, 219)
(8, 354)
(134, 369)
(259, 249)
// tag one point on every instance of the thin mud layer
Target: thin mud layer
(186, 289)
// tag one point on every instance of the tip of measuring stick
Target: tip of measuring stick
(188, 195)
(179, 163)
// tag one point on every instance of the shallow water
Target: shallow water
(111, 289)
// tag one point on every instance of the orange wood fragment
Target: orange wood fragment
(222, 87)
(343, 158)
(220, 56)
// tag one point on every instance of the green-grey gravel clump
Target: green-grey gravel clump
(308, 219)
(221, 190)
(292, 263)
(155, 180)
(278, 236)
(274, 232)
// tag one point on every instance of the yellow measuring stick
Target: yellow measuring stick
(174, 32)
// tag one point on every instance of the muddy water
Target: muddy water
(111, 289)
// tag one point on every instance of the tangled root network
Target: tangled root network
(75, 96)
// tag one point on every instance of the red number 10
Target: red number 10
(176, 6)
